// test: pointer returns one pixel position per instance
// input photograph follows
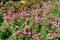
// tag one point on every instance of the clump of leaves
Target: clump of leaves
(6, 33)
(1, 19)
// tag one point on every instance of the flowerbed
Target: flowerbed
(38, 21)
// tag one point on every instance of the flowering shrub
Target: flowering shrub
(40, 21)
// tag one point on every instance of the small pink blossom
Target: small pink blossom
(43, 15)
(50, 31)
(58, 22)
(55, 35)
(45, 9)
(33, 36)
(28, 14)
(17, 32)
(25, 28)
(21, 13)
(53, 27)
(36, 34)
(47, 23)
(29, 34)
(28, 11)
(8, 23)
(14, 16)
(47, 17)
(49, 34)
(37, 38)
(38, 5)
(25, 33)
(4, 16)
(2, 26)
(33, 11)
(49, 7)
(50, 22)
(36, 10)
(37, 19)
(59, 19)
(40, 22)
(9, 12)
(17, 14)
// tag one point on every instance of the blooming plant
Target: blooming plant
(38, 21)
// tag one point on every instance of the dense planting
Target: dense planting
(35, 20)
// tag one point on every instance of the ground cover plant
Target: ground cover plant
(30, 20)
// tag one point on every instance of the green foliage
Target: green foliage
(1, 19)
